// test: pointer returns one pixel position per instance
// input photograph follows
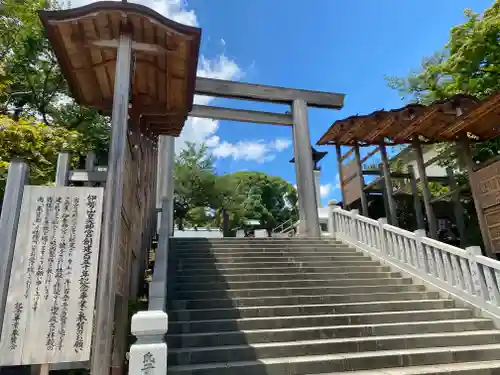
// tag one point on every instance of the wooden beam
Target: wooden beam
(369, 155)
(374, 172)
(374, 183)
(258, 117)
(272, 94)
(457, 206)
(364, 201)
(340, 171)
(431, 219)
(347, 154)
(417, 204)
(388, 186)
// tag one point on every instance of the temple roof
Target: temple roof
(441, 121)
(166, 55)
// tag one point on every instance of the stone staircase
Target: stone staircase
(302, 306)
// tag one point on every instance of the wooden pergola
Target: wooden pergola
(164, 60)
(442, 121)
(461, 119)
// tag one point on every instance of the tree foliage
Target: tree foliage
(38, 144)
(468, 64)
(241, 195)
(31, 82)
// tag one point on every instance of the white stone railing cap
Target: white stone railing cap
(149, 323)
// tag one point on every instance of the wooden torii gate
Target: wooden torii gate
(460, 120)
(139, 67)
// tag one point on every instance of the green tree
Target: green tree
(258, 196)
(468, 64)
(31, 82)
(194, 180)
(38, 145)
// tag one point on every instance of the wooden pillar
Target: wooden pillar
(431, 218)
(464, 147)
(384, 195)
(303, 157)
(62, 168)
(457, 207)
(340, 172)
(417, 204)
(16, 180)
(386, 172)
(90, 162)
(364, 201)
(111, 224)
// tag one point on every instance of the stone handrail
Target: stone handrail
(149, 352)
(464, 274)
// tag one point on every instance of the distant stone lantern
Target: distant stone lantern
(316, 157)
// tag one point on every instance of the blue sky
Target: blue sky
(329, 45)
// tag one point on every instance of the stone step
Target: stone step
(297, 291)
(316, 309)
(346, 361)
(275, 265)
(242, 337)
(299, 299)
(327, 346)
(463, 368)
(379, 272)
(258, 241)
(370, 267)
(285, 322)
(264, 256)
(284, 257)
(237, 285)
(260, 247)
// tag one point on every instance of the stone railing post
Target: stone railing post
(382, 240)
(17, 178)
(478, 280)
(422, 261)
(354, 226)
(331, 222)
(148, 355)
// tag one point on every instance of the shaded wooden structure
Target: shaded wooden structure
(461, 119)
(126, 60)
(165, 56)
(442, 121)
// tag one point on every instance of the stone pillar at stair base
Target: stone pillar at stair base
(165, 177)
(149, 353)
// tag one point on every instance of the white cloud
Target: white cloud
(325, 190)
(174, 9)
(259, 151)
(195, 130)
(200, 130)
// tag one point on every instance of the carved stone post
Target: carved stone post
(148, 355)
(11, 208)
(62, 168)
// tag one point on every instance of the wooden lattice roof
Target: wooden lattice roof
(165, 58)
(441, 121)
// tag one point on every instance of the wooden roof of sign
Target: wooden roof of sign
(441, 121)
(85, 42)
